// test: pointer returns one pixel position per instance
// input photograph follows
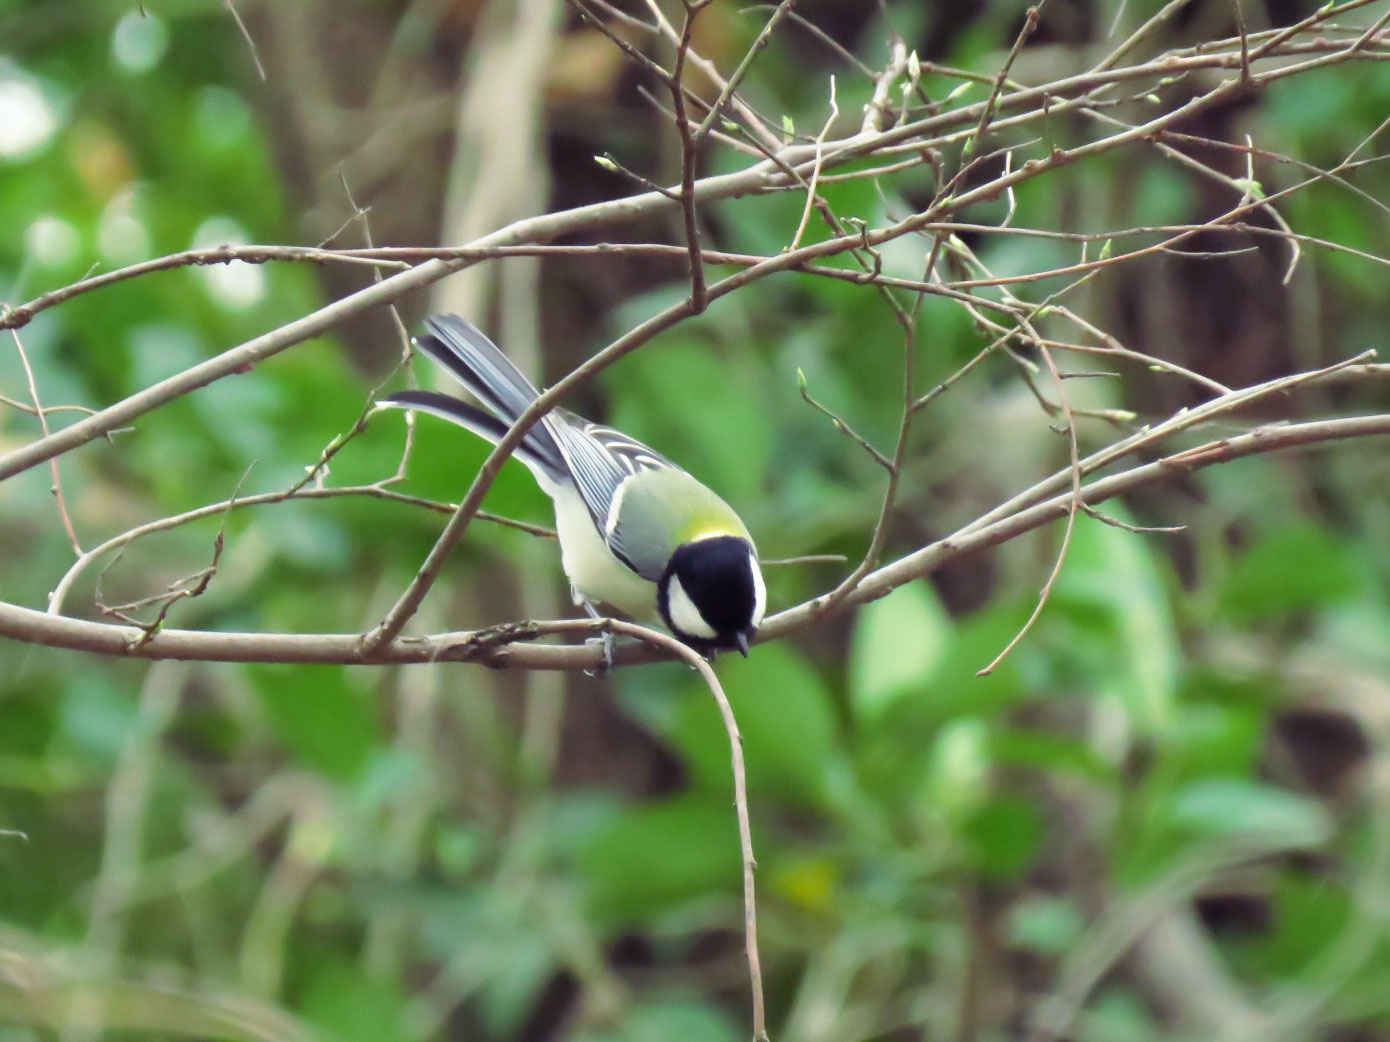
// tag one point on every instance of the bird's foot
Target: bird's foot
(605, 639)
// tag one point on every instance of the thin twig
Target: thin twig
(57, 599)
(1158, 18)
(774, 562)
(877, 106)
(1115, 522)
(689, 158)
(879, 537)
(676, 649)
(193, 586)
(633, 54)
(726, 93)
(246, 35)
(610, 163)
(47, 409)
(360, 215)
(755, 123)
(815, 170)
(1030, 23)
(38, 410)
(1075, 454)
(841, 425)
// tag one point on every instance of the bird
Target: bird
(637, 533)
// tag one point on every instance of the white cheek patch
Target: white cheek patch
(759, 592)
(684, 615)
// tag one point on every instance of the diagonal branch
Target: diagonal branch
(689, 159)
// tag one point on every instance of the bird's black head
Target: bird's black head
(711, 595)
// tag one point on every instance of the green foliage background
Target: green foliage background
(1194, 737)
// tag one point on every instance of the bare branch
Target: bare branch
(38, 410)
(1030, 23)
(674, 648)
(877, 107)
(782, 9)
(57, 599)
(506, 646)
(689, 158)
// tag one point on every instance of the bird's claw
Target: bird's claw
(606, 666)
(604, 637)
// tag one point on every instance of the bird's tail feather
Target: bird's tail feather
(476, 362)
(490, 376)
(538, 453)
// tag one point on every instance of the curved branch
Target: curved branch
(745, 833)
(512, 645)
(58, 596)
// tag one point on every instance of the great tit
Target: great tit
(636, 531)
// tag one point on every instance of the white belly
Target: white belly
(591, 567)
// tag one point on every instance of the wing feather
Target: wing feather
(600, 460)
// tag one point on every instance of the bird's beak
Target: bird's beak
(741, 642)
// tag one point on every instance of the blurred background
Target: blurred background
(1166, 816)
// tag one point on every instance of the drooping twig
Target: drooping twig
(38, 410)
(680, 651)
(246, 35)
(1075, 503)
(841, 424)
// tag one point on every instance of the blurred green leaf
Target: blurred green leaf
(322, 715)
(353, 1007)
(784, 713)
(1236, 806)
(653, 858)
(1307, 917)
(955, 775)
(99, 718)
(687, 1021)
(1117, 1015)
(1278, 574)
(1111, 589)
(666, 397)
(1003, 836)
(1047, 925)
(898, 641)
